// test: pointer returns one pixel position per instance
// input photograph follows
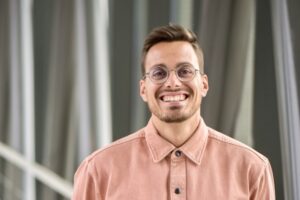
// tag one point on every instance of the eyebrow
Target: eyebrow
(177, 65)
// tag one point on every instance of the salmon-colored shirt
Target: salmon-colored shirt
(144, 166)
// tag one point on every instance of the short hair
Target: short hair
(171, 33)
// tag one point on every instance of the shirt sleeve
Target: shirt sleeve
(85, 183)
(264, 187)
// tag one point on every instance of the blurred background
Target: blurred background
(70, 71)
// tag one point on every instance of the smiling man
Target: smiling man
(176, 156)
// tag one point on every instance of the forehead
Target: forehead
(170, 53)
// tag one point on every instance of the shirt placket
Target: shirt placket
(178, 176)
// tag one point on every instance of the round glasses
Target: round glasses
(160, 74)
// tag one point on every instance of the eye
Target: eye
(185, 71)
(158, 73)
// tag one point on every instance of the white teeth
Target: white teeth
(174, 98)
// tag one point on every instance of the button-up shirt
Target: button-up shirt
(145, 166)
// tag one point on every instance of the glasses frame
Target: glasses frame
(162, 81)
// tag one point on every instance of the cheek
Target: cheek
(199, 88)
(152, 93)
(148, 92)
(195, 87)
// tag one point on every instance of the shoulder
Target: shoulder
(248, 165)
(115, 152)
(235, 148)
(231, 154)
(93, 174)
(119, 146)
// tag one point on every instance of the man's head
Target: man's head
(171, 33)
(173, 83)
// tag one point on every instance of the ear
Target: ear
(143, 90)
(205, 86)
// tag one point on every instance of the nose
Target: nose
(172, 81)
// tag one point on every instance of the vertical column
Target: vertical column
(288, 103)
(81, 80)
(140, 19)
(238, 101)
(265, 110)
(121, 62)
(15, 131)
(182, 12)
(102, 75)
(26, 60)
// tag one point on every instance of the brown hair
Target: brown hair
(171, 33)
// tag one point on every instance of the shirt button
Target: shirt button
(177, 191)
(178, 153)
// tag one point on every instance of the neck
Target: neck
(177, 133)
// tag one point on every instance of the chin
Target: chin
(173, 120)
(174, 117)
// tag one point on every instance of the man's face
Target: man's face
(173, 100)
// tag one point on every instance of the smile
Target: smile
(174, 98)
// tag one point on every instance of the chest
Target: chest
(176, 178)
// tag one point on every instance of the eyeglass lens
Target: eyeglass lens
(161, 74)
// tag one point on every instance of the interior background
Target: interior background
(70, 71)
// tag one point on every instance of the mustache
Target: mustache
(172, 90)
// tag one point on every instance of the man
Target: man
(176, 156)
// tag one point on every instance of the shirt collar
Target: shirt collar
(193, 148)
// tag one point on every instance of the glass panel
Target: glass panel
(45, 192)
(11, 179)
